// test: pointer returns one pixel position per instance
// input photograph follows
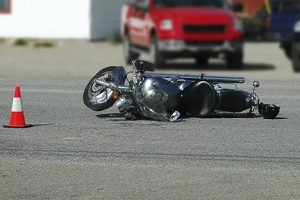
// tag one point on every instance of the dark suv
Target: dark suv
(284, 14)
(296, 47)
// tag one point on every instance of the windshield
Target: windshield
(191, 3)
(285, 6)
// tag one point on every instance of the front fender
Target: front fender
(119, 75)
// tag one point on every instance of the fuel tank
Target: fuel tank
(157, 97)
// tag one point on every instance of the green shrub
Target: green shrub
(21, 42)
(44, 44)
(114, 39)
(2, 41)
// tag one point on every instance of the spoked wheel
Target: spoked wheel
(96, 96)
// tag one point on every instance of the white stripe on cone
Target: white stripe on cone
(16, 105)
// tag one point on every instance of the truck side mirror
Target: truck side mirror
(237, 7)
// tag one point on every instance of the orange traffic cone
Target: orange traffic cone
(17, 119)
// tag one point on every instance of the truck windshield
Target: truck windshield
(191, 3)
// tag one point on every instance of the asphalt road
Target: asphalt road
(75, 153)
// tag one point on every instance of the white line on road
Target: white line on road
(43, 90)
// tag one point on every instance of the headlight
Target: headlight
(166, 24)
(238, 25)
(297, 26)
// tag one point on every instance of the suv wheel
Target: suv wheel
(129, 55)
(156, 57)
(286, 45)
(235, 60)
(288, 52)
(296, 58)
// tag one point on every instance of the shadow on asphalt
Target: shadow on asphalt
(214, 115)
(110, 115)
(217, 67)
(241, 115)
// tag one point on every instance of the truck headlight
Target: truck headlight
(166, 24)
(238, 25)
(297, 26)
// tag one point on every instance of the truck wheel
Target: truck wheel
(202, 61)
(235, 60)
(296, 58)
(156, 57)
(129, 55)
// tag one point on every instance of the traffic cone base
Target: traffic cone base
(23, 126)
(17, 119)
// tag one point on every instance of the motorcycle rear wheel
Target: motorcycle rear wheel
(98, 97)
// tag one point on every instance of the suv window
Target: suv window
(189, 3)
(4, 6)
(285, 6)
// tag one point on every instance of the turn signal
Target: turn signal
(115, 95)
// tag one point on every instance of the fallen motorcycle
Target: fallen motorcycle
(170, 97)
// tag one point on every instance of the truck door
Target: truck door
(138, 30)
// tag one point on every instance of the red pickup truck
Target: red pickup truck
(168, 29)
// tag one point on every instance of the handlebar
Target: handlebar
(213, 79)
(114, 86)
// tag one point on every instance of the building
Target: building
(63, 19)
(251, 7)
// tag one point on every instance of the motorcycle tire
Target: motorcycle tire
(97, 97)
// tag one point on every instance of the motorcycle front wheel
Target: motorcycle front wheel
(96, 96)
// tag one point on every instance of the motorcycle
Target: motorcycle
(142, 93)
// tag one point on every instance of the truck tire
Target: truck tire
(129, 55)
(235, 60)
(296, 58)
(156, 56)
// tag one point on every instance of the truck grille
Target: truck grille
(204, 28)
(204, 43)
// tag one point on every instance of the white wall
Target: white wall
(106, 17)
(47, 19)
